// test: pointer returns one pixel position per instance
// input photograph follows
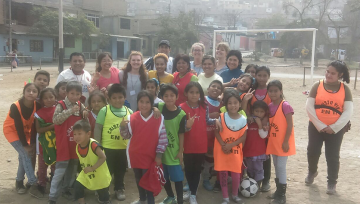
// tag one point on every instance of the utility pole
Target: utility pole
(170, 7)
(61, 38)
(10, 28)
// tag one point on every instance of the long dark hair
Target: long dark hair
(259, 69)
(184, 57)
(342, 68)
(99, 59)
(198, 86)
(128, 68)
(96, 93)
(260, 104)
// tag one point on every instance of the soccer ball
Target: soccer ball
(248, 187)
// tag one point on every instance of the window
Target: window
(94, 18)
(69, 41)
(36, 46)
(124, 23)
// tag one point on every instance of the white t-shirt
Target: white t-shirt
(205, 82)
(84, 79)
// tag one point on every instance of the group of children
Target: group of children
(222, 132)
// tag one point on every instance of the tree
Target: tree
(275, 21)
(231, 19)
(180, 31)
(48, 23)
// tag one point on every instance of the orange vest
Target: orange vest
(267, 99)
(328, 105)
(228, 162)
(242, 96)
(277, 134)
(9, 125)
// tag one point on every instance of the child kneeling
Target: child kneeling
(95, 174)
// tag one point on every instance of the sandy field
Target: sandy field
(291, 75)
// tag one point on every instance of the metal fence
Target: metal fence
(25, 59)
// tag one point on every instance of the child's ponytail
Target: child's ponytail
(342, 68)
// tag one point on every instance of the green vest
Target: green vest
(111, 138)
(98, 179)
(172, 131)
(48, 143)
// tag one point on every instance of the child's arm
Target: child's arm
(221, 142)
(100, 119)
(241, 139)
(61, 115)
(181, 148)
(162, 143)
(289, 121)
(84, 112)
(19, 126)
(124, 128)
(100, 161)
(40, 129)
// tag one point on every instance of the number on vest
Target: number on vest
(51, 142)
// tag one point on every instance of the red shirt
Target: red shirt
(254, 145)
(46, 113)
(114, 78)
(181, 83)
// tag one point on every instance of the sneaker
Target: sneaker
(120, 194)
(34, 191)
(27, 185)
(169, 200)
(310, 178)
(186, 187)
(217, 187)
(20, 188)
(225, 201)
(207, 185)
(265, 186)
(105, 202)
(51, 202)
(193, 199)
(139, 202)
(236, 199)
(186, 195)
(331, 189)
(68, 195)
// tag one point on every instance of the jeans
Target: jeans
(25, 164)
(255, 169)
(280, 168)
(332, 151)
(64, 177)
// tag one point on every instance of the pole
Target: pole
(10, 34)
(313, 55)
(337, 42)
(356, 71)
(61, 38)
(304, 77)
(214, 43)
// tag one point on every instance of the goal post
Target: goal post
(313, 30)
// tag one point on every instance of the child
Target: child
(126, 103)
(173, 157)
(281, 142)
(60, 90)
(18, 128)
(195, 141)
(67, 112)
(95, 174)
(214, 91)
(42, 79)
(47, 140)
(97, 101)
(107, 133)
(148, 141)
(152, 86)
(228, 146)
(244, 85)
(251, 69)
(255, 148)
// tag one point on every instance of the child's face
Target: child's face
(170, 98)
(41, 81)
(259, 112)
(150, 87)
(233, 105)
(160, 65)
(244, 84)
(31, 93)
(117, 100)
(73, 96)
(251, 71)
(48, 99)
(96, 103)
(81, 137)
(144, 105)
(274, 93)
(214, 91)
(193, 95)
(262, 78)
(62, 92)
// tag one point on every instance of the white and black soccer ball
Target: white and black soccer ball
(248, 187)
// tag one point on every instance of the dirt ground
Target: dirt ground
(11, 84)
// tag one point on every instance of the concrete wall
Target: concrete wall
(77, 48)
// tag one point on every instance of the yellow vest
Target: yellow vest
(111, 138)
(98, 179)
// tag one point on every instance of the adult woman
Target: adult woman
(105, 74)
(133, 76)
(197, 51)
(233, 62)
(329, 108)
(222, 49)
(160, 61)
(208, 64)
(182, 75)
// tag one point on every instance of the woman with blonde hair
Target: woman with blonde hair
(222, 49)
(197, 51)
(133, 77)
